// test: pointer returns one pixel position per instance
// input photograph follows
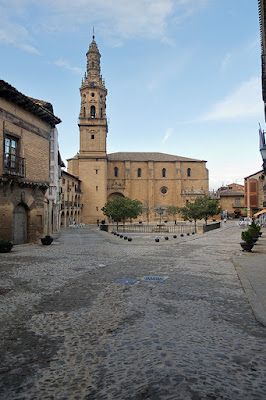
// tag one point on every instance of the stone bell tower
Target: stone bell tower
(92, 159)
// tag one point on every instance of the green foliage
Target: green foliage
(203, 208)
(254, 232)
(5, 246)
(247, 236)
(172, 210)
(122, 208)
(255, 226)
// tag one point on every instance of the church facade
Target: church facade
(158, 180)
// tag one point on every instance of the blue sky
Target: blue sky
(183, 76)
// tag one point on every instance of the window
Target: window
(92, 94)
(93, 112)
(139, 172)
(11, 152)
(96, 171)
(101, 112)
(97, 209)
(237, 202)
(116, 172)
(92, 64)
(163, 172)
(84, 112)
(188, 172)
(92, 136)
(64, 181)
(163, 190)
(96, 188)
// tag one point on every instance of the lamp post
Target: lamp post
(160, 211)
(263, 150)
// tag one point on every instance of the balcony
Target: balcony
(14, 165)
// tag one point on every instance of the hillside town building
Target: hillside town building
(158, 180)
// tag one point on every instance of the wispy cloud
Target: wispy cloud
(226, 61)
(64, 64)
(13, 33)
(245, 101)
(119, 19)
(167, 134)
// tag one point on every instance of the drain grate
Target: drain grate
(154, 278)
(125, 280)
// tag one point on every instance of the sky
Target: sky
(183, 76)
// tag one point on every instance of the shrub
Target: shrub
(5, 246)
(247, 236)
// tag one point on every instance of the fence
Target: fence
(141, 228)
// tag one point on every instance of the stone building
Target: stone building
(71, 201)
(255, 193)
(25, 129)
(231, 199)
(158, 180)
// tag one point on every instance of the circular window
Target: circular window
(92, 94)
(163, 190)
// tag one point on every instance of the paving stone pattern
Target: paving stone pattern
(69, 331)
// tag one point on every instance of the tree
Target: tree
(121, 208)
(172, 210)
(202, 208)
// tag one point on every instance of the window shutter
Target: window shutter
(253, 193)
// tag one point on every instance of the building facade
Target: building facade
(71, 200)
(255, 193)
(158, 180)
(25, 128)
(231, 199)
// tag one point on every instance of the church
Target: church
(158, 180)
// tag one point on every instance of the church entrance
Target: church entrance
(112, 195)
(20, 224)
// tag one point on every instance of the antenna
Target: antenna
(93, 36)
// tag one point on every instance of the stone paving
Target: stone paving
(69, 331)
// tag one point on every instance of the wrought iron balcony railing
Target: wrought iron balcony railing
(14, 165)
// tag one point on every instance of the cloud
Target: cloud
(64, 64)
(226, 61)
(121, 19)
(245, 101)
(15, 34)
(167, 134)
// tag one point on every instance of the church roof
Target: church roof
(136, 156)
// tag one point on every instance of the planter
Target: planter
(5, 246)
(47, 240)
(246, 246)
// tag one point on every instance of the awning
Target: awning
(260, 212)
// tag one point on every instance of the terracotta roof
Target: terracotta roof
(36, 107)
(231, 193)
(136, 156)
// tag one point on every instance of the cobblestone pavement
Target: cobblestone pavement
(70, 331)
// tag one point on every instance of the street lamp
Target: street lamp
(160, 211)
(263, 149)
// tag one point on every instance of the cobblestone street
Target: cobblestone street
(70, 331)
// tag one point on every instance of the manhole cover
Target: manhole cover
(154, 278)
(125, 280)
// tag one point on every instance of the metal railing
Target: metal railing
(14, 165)
(159, 228)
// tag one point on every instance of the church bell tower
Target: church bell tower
(93, 132)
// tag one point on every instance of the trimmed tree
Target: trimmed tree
(172, 210)
(122, 208)
(202, 208)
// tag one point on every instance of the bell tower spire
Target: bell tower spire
(92, 157)
(92, 117)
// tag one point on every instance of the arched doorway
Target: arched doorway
(20, 224)
(116, 194)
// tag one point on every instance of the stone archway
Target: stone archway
(20, 231)
(116, 194)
